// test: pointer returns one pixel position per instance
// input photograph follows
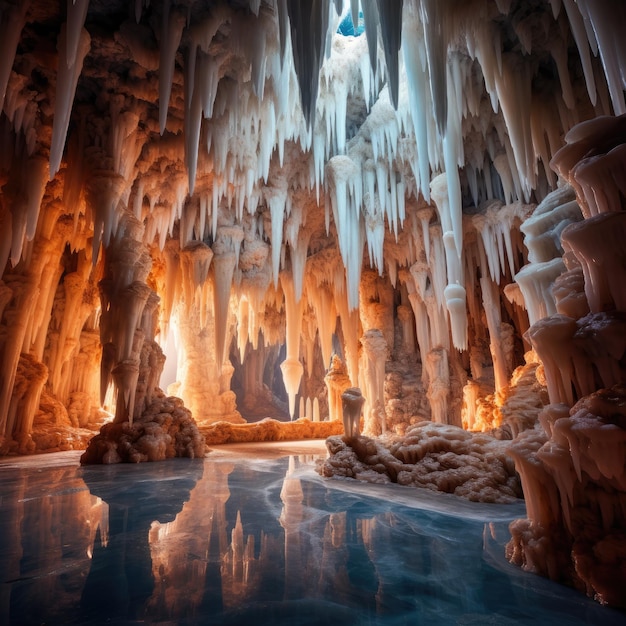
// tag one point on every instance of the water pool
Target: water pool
(231, 540)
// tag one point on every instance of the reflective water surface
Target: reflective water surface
(240, 541)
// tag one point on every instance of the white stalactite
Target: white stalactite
(67, 80)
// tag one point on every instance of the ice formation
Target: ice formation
(430, 211)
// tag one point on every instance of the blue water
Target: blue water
(160, 544)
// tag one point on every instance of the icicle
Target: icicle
(36, 179)
(321, 299)
(268, 137)
(298, 261)
(354, 12)
(603, 16)
(514, 90)
(434, 20)
(580, 36)
(17, 222)
(103, 194)
(171, 32)
(254, 6)
(342, 175)
(138, 10)
(76, 14)
(418, 98)
(67, 79)
(283, 27)
(11, 30)
(276, 197)
(130, 305)
(195, 261)
(390, 15)
(501, 165)
(309, 24)
(558, 48)
(381, 185)
(370, 18)
(193, 120)
(374, 232)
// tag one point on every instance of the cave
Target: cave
(225, 221)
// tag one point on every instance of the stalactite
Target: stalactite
(309, 22)
(13, 20)
(67, 80)
(291, 367)
(172, 26)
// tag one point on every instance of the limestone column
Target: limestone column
(373, 359)
(337, 381)
(124, 294)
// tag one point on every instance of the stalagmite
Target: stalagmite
(337, 381)
(375, 355)
(352, 403)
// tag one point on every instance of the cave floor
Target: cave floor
(252, 534)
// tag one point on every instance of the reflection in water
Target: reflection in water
(120, 580)
(218, 542)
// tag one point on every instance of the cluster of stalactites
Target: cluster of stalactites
(433, 55)
(420, 121)
(424, 111)
(442, 110)
(128, 317)
(432, 86)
